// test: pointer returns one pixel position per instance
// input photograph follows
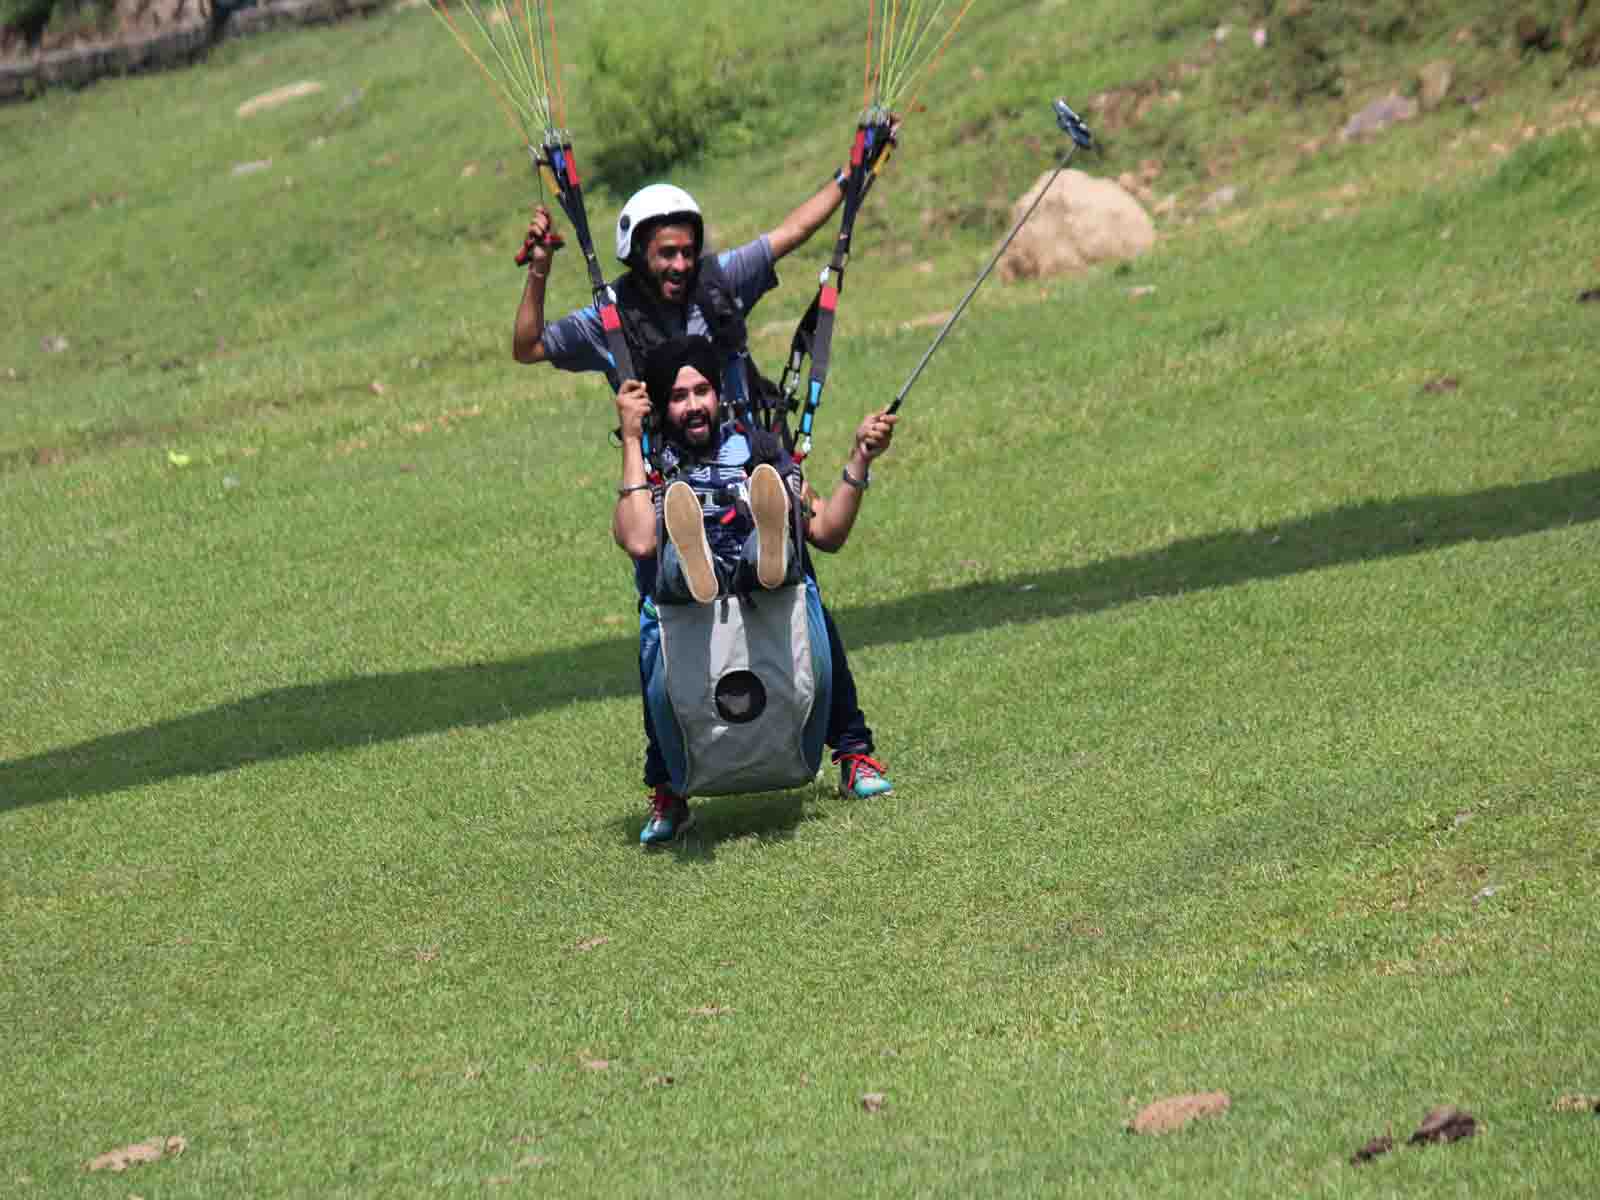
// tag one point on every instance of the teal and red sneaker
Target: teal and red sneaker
(862, 776)
(670, 818)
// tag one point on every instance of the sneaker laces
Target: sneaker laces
(663, 803)
(855, 764)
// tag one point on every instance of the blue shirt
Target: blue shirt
(720, 480)
(577, 342)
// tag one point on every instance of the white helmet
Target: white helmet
(652, 204)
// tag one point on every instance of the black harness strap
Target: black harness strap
(813, 338)
(560, 170)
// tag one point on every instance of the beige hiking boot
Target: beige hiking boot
(769, 505)
(687, 529)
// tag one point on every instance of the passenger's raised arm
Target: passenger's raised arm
(833, 518)
(633, 523)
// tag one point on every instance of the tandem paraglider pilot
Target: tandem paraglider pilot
(734, 657)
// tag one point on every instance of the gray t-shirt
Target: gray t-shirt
(577, 342)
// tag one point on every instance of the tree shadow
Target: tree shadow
(357, 711)
(1365, 532)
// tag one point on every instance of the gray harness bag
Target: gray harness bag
(748, 682)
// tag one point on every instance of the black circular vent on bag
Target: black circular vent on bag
(740, 697)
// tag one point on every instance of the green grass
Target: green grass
(1237, 676)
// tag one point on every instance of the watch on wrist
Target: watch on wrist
(861, 484)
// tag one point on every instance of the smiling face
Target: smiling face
(692, 408)
(669, 258)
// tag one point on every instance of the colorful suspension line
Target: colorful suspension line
(906, 39)
(521, 62)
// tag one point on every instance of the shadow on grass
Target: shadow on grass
(345, 713)
(769, 817)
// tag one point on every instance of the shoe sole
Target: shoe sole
(686, 527)
(769, 504)
(850, 794)
(677, 834)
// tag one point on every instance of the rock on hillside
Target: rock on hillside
(1081, 221)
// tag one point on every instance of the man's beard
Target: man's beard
(683, 278)
(698, 431)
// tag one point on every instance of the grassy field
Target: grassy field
(1233, 644)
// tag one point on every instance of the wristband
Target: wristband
(629, 489)
(841, 177)
(860, 485)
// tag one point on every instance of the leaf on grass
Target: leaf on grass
(710, 1010)
(597, 1064)
(1578, 1103)
(659, 1081)
(1446, 1123)
(1377, 1146)
(873, 1102)
(588, 944)
(426, 954)
(277, 96)
(533, 1160)
(1444, 383)
(1174, 1112)
(153, 1150)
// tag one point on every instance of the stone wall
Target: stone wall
(157, 35)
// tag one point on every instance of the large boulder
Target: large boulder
(1081, 221)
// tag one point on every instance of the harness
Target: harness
(813, 339)
(728, 493)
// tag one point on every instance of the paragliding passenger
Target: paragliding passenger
(737, 517)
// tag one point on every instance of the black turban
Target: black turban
(666, 360)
